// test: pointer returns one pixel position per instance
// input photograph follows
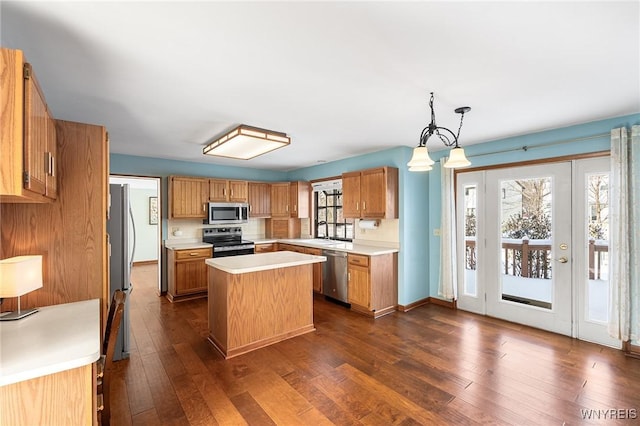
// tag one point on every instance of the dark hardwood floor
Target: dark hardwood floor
(431, 365)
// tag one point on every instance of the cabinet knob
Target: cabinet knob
(193, 254)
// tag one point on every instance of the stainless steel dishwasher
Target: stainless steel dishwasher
(334, 275)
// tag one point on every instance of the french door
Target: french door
(534, 244)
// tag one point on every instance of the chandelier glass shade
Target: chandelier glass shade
(245, 142)
(421, 161)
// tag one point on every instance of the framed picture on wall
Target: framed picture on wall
(153, 210)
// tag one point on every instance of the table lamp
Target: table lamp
(19, 275)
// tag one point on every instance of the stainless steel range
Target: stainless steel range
(227, 241)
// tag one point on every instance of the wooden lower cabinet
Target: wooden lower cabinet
(187, 273)
(373, 283)
(265, 248)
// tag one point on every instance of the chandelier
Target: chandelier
(421, 162)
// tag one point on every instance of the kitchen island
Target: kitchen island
(256, 300)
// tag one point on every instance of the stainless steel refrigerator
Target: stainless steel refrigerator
(122, 244)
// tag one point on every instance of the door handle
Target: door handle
(563, 259)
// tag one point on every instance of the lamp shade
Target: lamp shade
(457, 159)
(20, 275)
(420, 160)
(246, 142)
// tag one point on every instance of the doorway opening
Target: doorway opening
(146, 210)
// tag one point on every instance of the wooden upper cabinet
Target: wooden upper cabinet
(222, 190)
(371, 193)
(28, 135)
(280, 200)
(290, 199)
(188, 197)
(259, 199)
(351, 194)
(238, 191)
(218, 189)
(299, 199)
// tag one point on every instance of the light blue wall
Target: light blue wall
(419, 198)
(505, 151)
(413, 206)
(159, 167)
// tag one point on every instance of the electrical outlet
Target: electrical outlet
(436, 232)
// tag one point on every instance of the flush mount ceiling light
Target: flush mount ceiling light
(245, 142)
(421, 162)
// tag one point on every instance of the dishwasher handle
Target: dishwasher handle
(334, 253)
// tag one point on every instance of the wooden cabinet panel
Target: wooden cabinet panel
(188, 197)
(191, 277)
(351, 194)
(28, 139)
(371, 193)
(359, 286)
(187, 273)
(265, 248)
(203, 253)
(51, 188)
(299, 199)
(218, 189)
(280, 200)
(317, 269)
(70, 233)
(290, 247)
(223, 190)
(373, 283)
(259, 196)
(238, 191)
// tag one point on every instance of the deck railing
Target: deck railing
(532, 258)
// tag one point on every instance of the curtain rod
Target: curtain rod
(527, 147)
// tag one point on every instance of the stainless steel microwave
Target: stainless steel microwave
(228, 213)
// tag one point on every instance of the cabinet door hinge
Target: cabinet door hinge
(26, 71)
(26, 178)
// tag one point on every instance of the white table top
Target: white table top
(54, 339)
(262, 261)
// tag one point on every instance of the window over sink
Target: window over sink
(329, 221)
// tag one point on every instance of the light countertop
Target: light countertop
(356, 248)
(341, 246)
(185, 244)
(262, 261)
(54, 339)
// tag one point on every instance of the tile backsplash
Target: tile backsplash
(192, 228)
(386, 234)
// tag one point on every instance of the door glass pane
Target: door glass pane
(526, 241)
(470, 250)
(597, 211)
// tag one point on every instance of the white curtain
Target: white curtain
(448, 283)
(624, 252)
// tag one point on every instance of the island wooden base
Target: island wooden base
(255, 309)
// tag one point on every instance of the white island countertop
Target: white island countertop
(262, 261)
(54, 339)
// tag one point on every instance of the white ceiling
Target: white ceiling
(340, 78)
